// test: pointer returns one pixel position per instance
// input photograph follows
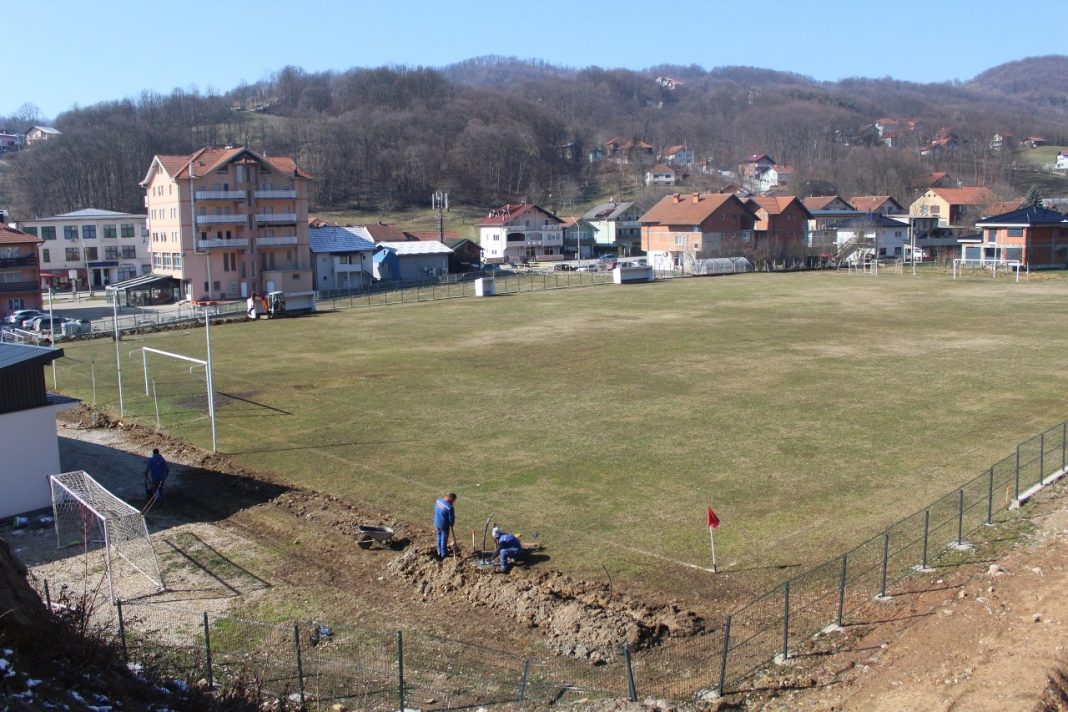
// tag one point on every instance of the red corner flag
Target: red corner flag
(713, 520)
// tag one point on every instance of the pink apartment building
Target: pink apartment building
(226, 222)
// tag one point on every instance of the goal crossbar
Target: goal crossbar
(123, 526)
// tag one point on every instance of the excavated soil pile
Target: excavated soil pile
(579, 619)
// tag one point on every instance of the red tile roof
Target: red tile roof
(208, 159)
(672, 150)
(11, 236)
(974, 195)
(507, 213)
(432, 234)
(773, 204)
(381, 232)
(872, 203)
(686, 211)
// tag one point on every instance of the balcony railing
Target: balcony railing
(220, 195)
(272, 194)
(231, 244)
(628, 223)
(276, 241)
(220, 219)
(24, 286)
(27, 261)
(276, 218)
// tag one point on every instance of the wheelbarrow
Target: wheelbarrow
(367, 535)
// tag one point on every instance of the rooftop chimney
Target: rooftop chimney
(696, 198)
(676, 198)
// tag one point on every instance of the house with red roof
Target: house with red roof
(520, 232)
(752, 166)
(678, 156)
(775, 177)
(661, 175)
(882, 204)
(20, 271)
(954, 207)
(780, 226)
(700, 225)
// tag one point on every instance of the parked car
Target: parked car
(18, 316)
(45, 324)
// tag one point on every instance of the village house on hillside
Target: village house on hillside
(661, 175)
(954, 207)
(35, 134)
(521, 232)
(701, 225)
(20, 277)
(678, 156)
(1035, 237)
(101, 247)
(250, 232)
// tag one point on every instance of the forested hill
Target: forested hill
(492, 130)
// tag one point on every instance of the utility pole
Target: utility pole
(439, 201)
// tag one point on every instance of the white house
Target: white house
(774, 177)
(873, 233)
(28, 436)
(1061, 164)
(93, 248)
(40, 133)
(521, 232)
(411, 261)
(660, 174)
(617, 224)
(341, 257)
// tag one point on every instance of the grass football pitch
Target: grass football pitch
(809, 410)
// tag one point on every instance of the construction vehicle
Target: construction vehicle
(270, 305)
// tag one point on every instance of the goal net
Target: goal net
(88, 515)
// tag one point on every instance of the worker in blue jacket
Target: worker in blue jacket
(444, 522)
(509, 549)
(157, 469)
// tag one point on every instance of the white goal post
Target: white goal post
(86, 512)
(145, 351)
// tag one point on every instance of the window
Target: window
(44, 255)
(126, 230)
(129, 252)
(73, 254)
(1014, 232)
(991, 235)
(70, 232)
(144, 231)
(111, 253)
(90, 253)
(177, 260)
(936, 209)
(16, 303)
(89, 232)
(166, 260)
(30, 231)
(229, 262)
(157, 259)
(110, 231)
(680, 240)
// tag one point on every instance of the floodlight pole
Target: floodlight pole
(118, 358)
(211, 381)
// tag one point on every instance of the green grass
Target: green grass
(810, 410)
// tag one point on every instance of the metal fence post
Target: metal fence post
(886, 557)
(48, 597)
(926, 530)
(300, 663)
(786, 620)
(1017, 473)
(207, 651)
(1064, 444)
(990, 499)
(841, 590)
(960, 516)
(122, 632)
(1041, 456)
(523, 681)
(723, 657)
(632, 694)
(400, 669)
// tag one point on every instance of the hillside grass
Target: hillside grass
(810, 410)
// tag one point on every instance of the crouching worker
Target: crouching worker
(509, 549)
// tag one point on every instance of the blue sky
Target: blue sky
(73, 52)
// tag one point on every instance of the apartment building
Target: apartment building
(90, 248)
(20, 282)
(226, 222)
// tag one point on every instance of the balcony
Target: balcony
(277, 241)
(355, 267)
(24, 286)
(628, 223)
(232, 244)
(27, 261)
(220, 219)
(276, 218)
(220, 195)
(275, 194)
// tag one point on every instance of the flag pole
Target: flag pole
(712, 539)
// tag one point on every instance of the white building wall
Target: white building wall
(31, 453)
